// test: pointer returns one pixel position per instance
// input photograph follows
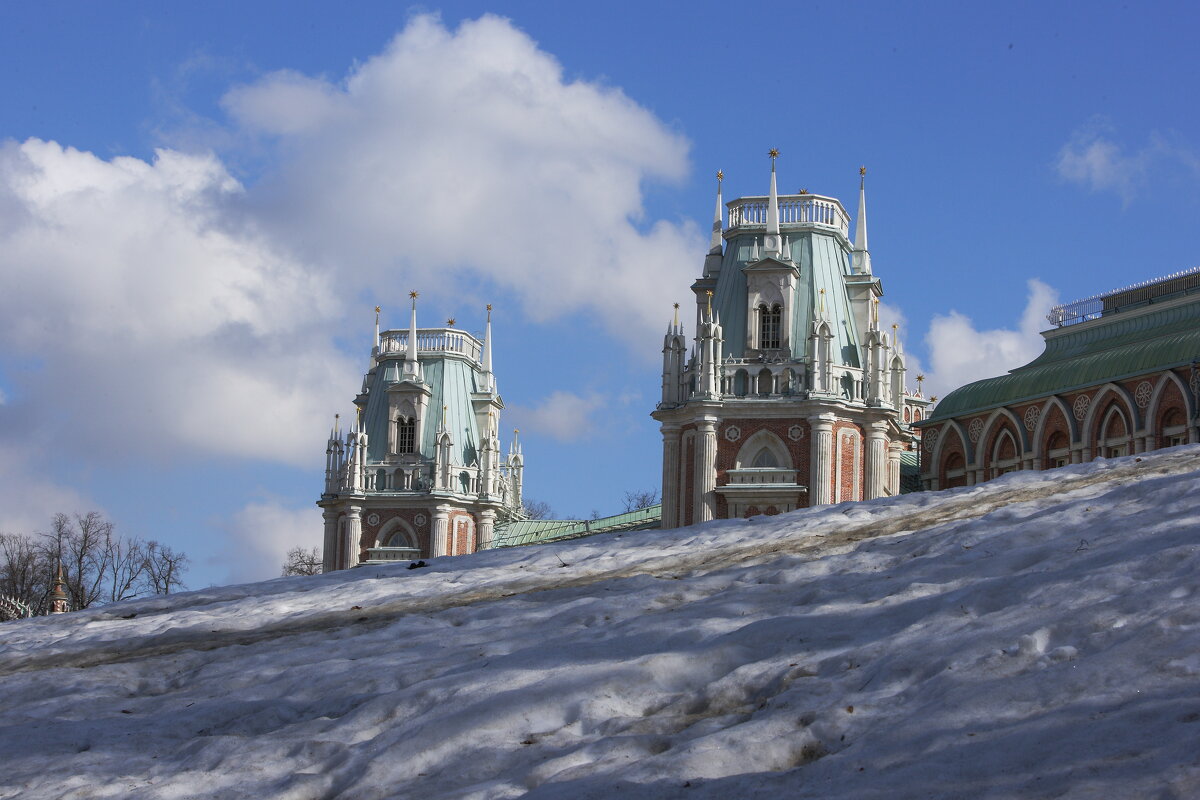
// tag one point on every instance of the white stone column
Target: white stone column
(487, 526)
(876, 460)
(353, 535)
(439, 531)
(704, 496)
(670, 476)
(329, 544)
(821, 460)
(893, 464)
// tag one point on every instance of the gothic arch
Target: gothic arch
(1154, 410)
(763, 446)
(1089, 430)
(396, 531)
(994, 422)
(1039, 432)
(935, 457)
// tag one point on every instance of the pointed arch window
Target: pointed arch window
(769, 326)
(406, 434)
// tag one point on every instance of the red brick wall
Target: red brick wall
(371, 532)
(1172, 401)
(845, 454)
(689, 475)
(461, 532)
(727, 451)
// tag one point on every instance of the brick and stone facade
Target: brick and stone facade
(1119, 376)
(792, 395)
(420, 474)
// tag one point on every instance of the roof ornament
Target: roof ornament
(450, 322)
(411, 368)
(677, 315)
(709, 292)
(486, 363)
(822, 302)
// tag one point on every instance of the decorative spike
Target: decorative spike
(717, 218)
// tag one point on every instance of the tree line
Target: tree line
(99, 565)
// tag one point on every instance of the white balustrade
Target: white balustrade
(793, 210)
(444, 340)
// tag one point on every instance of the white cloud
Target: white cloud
(960, 354)
(163, 325)
(261, 533)
(564, 416)
(460, 156)
(1092, 158)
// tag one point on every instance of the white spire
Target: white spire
(772, 245)
(410, 358)
(862, 257)
(717, 218)
(487, 351)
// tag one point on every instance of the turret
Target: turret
(489, 379)
(412, 367)
(674, 351)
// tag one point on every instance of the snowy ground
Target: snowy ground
(1038, 636)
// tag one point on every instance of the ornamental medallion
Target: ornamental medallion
(796, 433)
(975, 429)
(931, 441)
(1143, 393)
(1081, 406)
(733, 433)
(419, 519)
(373, 519)
(1032, 414)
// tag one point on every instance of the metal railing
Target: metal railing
(1098, 305)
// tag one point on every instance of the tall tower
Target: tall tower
(59, 602)
(792, 396)
(420, 473)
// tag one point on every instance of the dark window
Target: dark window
(406, 435)
(768, 326)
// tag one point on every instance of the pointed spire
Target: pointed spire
(772, 245)
(59, 602)
(410, 358)
(487, 347)
(717, 218)
(377, 310)
(862, 256)
(754, 256)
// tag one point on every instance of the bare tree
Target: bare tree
(24, 574)
(299, 561)
(164, 568)
(536, 509)
(99, 566)
(640, 498)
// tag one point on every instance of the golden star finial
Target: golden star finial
(489, 306)
(862, 170)
(378, 309)
(414, 294)
(450, 322)
(920, 377)
(803, 191)
(720, 176)
(933, 399)
(773, 153)
(677, 306)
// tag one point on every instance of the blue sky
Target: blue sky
(201, 203)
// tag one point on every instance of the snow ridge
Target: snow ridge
(1033, 636)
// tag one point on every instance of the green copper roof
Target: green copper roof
(451, 381)
(823, 264)
(537, 531)
(1122, 345)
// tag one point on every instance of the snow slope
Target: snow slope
(1037, 636)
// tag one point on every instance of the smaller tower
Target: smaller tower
(59, 602)
(860, 254)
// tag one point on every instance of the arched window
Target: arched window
(769, 326)
(765, 459)
(1058, 452)
(406, 435)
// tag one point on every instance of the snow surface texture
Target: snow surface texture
(1036, 636)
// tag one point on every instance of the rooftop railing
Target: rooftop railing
(794, 209)
(1111, 302)
(445, 340)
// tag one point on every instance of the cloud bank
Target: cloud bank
(164, 310)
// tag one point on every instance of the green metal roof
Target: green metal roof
(823, 264)
(1123, 345)
(537, 531)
